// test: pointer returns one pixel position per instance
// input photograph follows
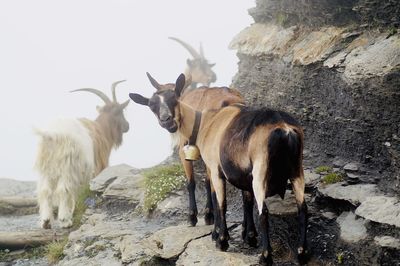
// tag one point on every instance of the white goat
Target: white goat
(198, 69)
(71, 152)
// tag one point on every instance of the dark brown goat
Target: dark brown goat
(162, 104)
(255, 150)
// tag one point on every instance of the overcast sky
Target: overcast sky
(48, 48)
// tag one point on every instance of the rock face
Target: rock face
(332, 64)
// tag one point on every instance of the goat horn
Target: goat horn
(113, 86)
(201, 51)
(153, 81)
(97, 92)
(191, 50)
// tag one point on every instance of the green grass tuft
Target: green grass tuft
(159, 182)
(332, 178)
(323, 169)
(55, 250)
(80, 206)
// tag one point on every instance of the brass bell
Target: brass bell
(191, 152)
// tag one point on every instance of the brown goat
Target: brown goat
(162, 104)
(255, 150)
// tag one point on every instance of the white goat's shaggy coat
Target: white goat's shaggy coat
(66, 162)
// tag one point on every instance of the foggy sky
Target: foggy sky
(48, 48)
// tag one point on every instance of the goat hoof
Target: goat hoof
(46, 224)
(250, 238)
(302, 256)
(214, 235)
(266, 259)
(209, 218)
(222, 244)
(251, 241)
(193, 219)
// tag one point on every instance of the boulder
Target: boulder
(128, 187)
(381, 209)
(108, 175)
(351, 229)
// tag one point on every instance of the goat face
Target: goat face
(163, 102)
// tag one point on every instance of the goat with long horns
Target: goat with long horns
(71, 152)
(198, 69)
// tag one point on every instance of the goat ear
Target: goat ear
(139, 99)
(189, 62)
(180, 85)
(211, 65)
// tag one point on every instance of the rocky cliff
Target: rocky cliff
(335, 65)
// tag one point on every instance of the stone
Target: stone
(351, 167)
(129, 187)
(387, 241)
(287, 206)
(202, 252)
(108, 175)
(355, 194)
(351, 229)
(170, 242)
(380, 209)
(311, 178)
(132, 250)
(173, 203)
(329, 215)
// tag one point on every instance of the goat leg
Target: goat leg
(266, 255)
(208, 213)
(249, 233)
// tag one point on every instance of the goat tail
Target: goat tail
(284, 158)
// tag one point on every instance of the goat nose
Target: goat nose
(165, 118)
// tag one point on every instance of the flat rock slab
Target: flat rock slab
(387, 241)
(18, 205)
(381, 209)
(129, 187)
(171, 242)
(108, 175)
(355, 194)
(11, 187)
(351, 229)
(202, 252)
